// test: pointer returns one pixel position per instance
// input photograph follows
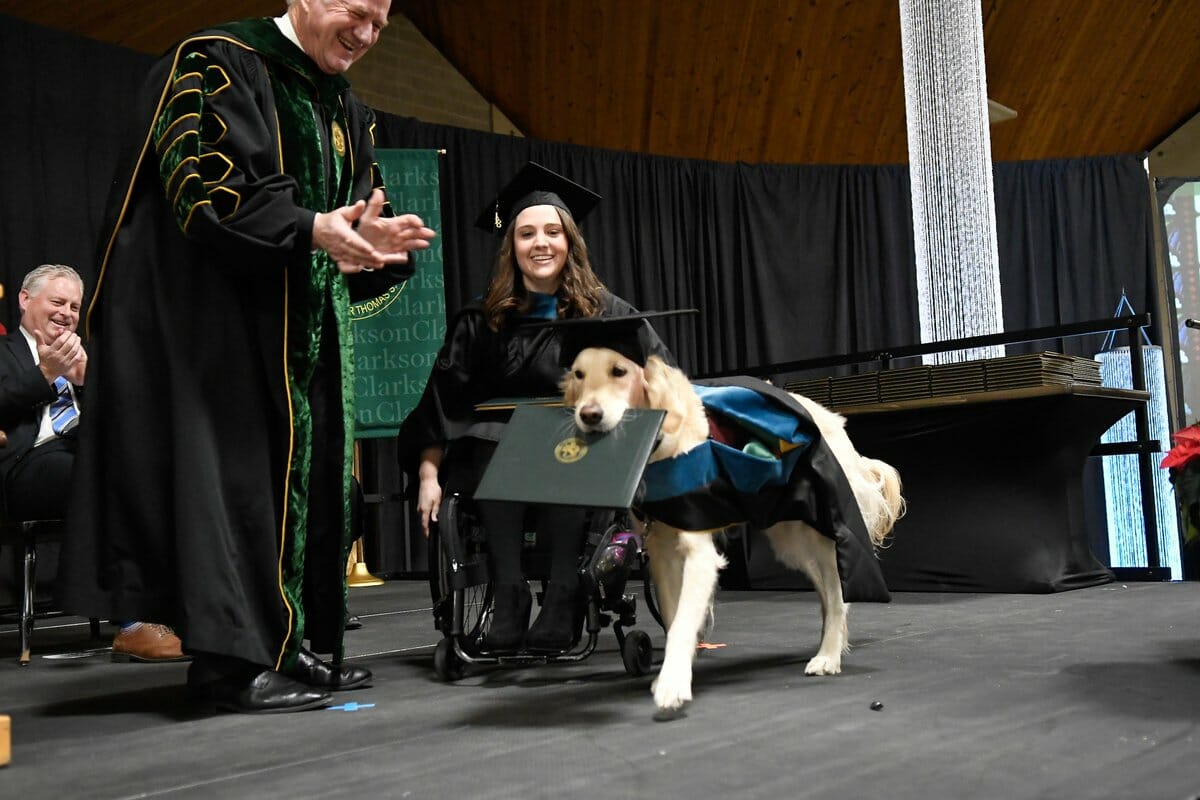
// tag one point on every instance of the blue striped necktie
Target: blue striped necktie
(62, 410)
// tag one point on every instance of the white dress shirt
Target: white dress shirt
(288, 30)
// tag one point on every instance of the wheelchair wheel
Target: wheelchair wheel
(637, 653)
(458, 565)
(446, 663)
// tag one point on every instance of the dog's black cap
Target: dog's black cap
(631, 335)
(534, 185)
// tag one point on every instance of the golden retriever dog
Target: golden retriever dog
(601, 385)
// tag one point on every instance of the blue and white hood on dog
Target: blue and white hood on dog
(764, 462)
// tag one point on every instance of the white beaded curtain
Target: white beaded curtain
(950, 162)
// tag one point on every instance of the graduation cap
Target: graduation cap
(534, 185)
(629, 334)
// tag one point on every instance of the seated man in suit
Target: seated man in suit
(42, 366)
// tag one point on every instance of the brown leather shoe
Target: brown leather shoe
(149, 643)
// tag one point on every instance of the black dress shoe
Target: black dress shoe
(319, 674)
(267, 692)
(353, 623)
(511, 604)
(558, 622)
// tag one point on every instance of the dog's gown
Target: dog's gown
(765, 462)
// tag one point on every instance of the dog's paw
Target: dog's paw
(823, 665)
(671, 691)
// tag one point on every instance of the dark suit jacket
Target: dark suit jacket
(24, 390)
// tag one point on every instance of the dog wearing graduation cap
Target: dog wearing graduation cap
(735, 450)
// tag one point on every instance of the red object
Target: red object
(726, 431)
(1187, 447)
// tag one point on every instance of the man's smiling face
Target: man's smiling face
(336, 33)
(52, 308)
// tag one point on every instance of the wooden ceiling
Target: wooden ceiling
(809, 81)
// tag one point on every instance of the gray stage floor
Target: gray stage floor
(1090, 693)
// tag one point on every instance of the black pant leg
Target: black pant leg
(36, 487)
(503, 523)
(325, 568)
(563, 525)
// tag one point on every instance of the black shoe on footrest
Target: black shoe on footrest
(558, 622)
(510, 616)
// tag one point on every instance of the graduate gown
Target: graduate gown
(474, 365)
(765, 462)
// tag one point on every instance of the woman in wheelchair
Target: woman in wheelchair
(541, 273)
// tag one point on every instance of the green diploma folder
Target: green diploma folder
(543, 458)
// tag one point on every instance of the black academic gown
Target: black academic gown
(476, 364)
(211, 488)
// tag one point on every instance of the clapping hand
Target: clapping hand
(394, 236)
(377, 241)
(63, 356)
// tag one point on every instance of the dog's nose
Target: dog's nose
(591, 414)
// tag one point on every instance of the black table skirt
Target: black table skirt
(994, 485)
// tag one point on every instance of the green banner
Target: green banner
(397, 336)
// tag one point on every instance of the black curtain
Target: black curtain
(788, 262)
(67, 103)
(1073, 234)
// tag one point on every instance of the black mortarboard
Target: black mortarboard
(628, 334)
(535, 185)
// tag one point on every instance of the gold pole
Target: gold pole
(358, 574)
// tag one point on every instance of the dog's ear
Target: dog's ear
(668, 388)
(664, 390)
(657, 380)
(570, 387)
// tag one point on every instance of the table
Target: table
(994, 487)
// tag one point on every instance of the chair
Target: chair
(25, 534)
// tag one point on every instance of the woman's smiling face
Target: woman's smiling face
(541, 246)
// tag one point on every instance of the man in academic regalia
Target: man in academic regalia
(212, 485)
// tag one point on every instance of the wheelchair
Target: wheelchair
(461, 589)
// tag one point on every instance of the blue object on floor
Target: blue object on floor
(351, 706)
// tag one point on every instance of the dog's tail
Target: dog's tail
(887, 500)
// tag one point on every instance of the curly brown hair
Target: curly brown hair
(581, 293)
